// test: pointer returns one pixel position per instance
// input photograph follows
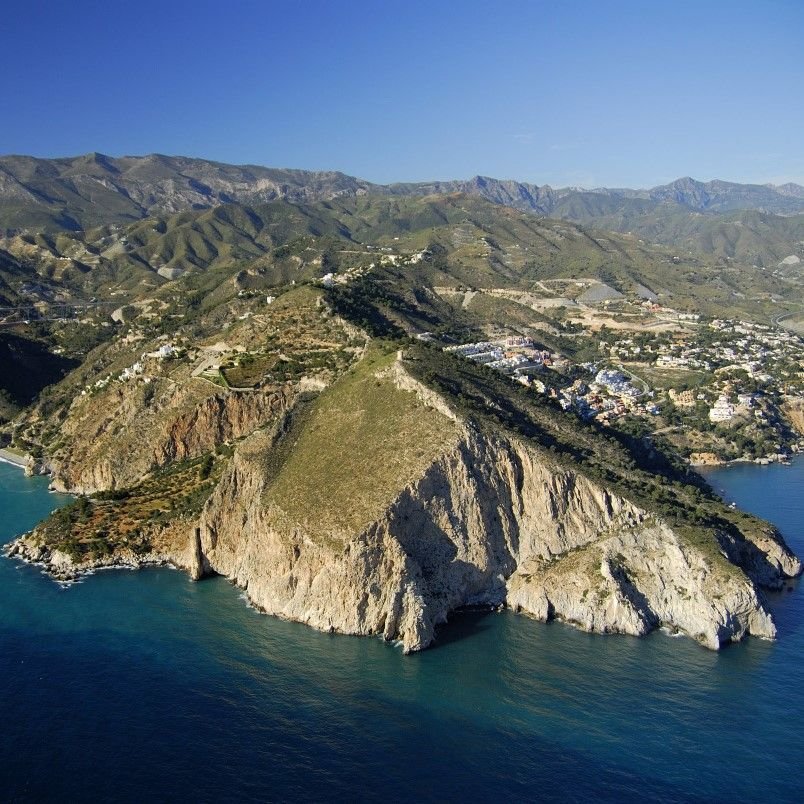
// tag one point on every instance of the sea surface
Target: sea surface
(143, 686)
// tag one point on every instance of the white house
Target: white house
(722, 411)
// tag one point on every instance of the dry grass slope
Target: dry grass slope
(359, 444)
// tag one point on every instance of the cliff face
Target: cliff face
(118, 439)
(633, 580)
(489, 520)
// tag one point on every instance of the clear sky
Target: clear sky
(561, 92)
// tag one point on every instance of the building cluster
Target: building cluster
(608, 396)
(721, 346)
(165, 351)
(626, 349)
(137, 369)
(683, 357)
(132, 371)
(616, 383)
(741, 372)
(725, 408)
(739, 345)
(722, 410)
(741, 357)
(516, 356)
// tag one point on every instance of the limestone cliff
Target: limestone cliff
(489, 520)
(380, 509)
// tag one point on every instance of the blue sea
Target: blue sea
(143, 686)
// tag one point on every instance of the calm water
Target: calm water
(136, 686)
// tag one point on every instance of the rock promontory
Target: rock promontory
(407, 489)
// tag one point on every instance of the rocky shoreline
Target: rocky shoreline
(62, 569)
(619, 608)
(709, 459)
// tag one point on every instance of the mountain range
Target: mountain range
(84, 191)
(453, 240)
(98, 226)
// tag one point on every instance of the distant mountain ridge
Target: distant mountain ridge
(93, 189)
(692, 195)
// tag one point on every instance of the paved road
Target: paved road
(797, 328)
(645, 386)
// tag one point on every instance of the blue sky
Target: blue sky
(567, 93)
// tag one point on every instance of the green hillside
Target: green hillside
(442, 241)
(752, 238)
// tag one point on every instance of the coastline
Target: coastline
(768, 461)
(172, 646)
(6, 456)
(63, 570)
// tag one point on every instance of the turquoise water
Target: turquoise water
(138, 686)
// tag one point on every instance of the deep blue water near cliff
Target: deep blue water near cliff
(137, 686)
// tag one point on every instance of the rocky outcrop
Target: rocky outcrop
(168, 548)
(490, 521)
(405, 382)
(636, 579)
(114, 445)
(705, 459)
(794, 410)
(219, 418)
(761, 554)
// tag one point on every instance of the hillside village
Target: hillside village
(717, 391)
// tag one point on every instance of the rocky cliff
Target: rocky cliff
(133, 429)
(489, 520)
(431, 511)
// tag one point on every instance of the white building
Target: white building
(722, 411)
(130, 372)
